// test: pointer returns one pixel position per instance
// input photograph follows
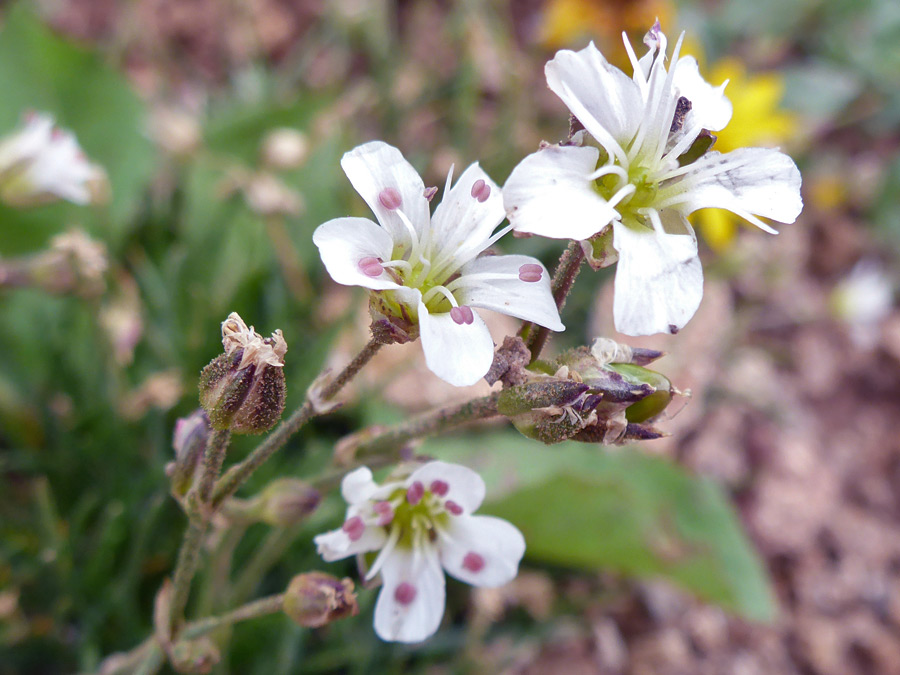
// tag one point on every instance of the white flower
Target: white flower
(425, 271)
(42, 162)
(645, 177)
(421, 525)
(863, 299)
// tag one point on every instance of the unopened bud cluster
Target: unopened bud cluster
(189, 442)
(243, 389)
(601, 394)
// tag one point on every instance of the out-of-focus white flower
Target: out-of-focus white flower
(41, 162)
(284, 149)
(862, 299)
(426, 271)
(645, 170)
(419, 526)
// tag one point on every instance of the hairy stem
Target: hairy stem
(368, 444)
(563, 279)
(198, 514)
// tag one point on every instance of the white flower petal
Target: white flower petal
(336, 545)
(358, 485)
(710, 108)
(465, 487)
(659, 281)
(462, 222)
(749, 182)
(550, 194)
(376, 166)
(343, 242)
(404, 615)
(603, 98)
(460, 354)
(482, 550)
(530, 301)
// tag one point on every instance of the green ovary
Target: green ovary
(409, 518)
(646, 191)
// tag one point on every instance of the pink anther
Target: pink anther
(370, 266)
(405, 593)
(385, 513)
(390, 198)
(531, 272)
(481, 190)
(354, 527)
(414, 493)
(473, 562)
(462, 315)
(453, 507)
(439, 487)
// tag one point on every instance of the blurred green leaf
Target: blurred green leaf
(41, 71)
(624, 511)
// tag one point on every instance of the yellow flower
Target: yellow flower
(757, 121)
(568, 23)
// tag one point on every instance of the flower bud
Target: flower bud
(287, 501)
(284, 149)
(314, 599)
(189, 442)
(74, 263)
(243, 389)
(195, 656)
(176, 131)
(269, 196)
(589, 395)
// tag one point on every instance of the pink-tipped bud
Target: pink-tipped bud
(288, 501)
(481, 190)
(390, 198)
(315, 599)
(462, 315)
(531, 273)
(415, 493)
(371, 267)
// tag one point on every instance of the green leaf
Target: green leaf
(637, 515)
(41, 71)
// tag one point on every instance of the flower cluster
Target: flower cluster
(645, 167)
(638, 162)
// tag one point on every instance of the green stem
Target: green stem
(428, 424)
(271, 604)
(563, 279)
(148, 657)
(239, 473)
(199, 515)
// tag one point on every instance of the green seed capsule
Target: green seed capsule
(649, 406)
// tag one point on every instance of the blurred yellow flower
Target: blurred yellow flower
(570, 23)
(757, 121)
